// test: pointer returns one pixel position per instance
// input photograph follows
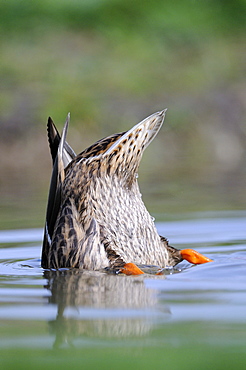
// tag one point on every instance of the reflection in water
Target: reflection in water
(102, 305)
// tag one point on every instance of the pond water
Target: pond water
(192, 317)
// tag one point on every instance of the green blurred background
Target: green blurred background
(111, 63)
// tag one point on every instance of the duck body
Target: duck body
(124, 229)
(95, 216)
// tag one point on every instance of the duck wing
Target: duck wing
(62, 156)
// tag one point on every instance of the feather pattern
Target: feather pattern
(96, 217)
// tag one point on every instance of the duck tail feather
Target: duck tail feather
(54, 142)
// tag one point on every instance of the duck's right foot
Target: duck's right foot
(194, 257)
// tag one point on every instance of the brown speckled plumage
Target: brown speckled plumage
(96, 217)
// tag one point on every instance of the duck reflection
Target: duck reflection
(98, 304)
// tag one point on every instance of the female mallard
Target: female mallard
(95, 216)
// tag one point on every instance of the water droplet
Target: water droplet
(152, 218)
(136, 175)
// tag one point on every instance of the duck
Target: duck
(96, 218)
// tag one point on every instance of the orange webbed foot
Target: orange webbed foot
(193, 256)
(131, 269)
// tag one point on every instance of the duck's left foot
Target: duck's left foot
(131, 269)
(193, 256)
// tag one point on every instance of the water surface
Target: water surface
(191, 317)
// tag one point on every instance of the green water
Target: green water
(190, 318)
